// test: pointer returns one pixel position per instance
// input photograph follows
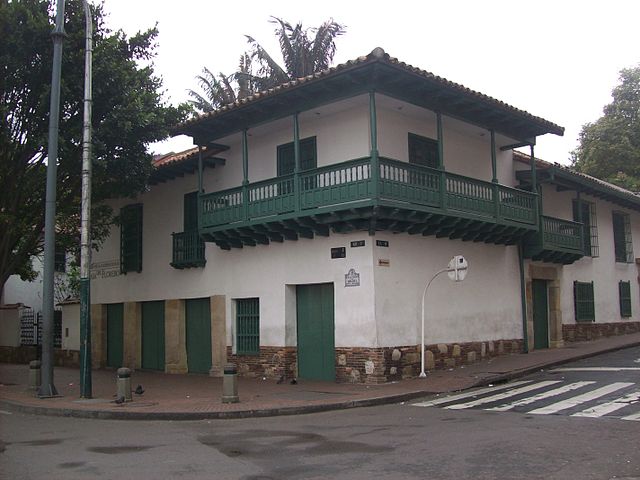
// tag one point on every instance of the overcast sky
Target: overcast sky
(556, 59)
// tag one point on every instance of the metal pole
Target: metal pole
(424, 294)
(47, 389)
(85, 222)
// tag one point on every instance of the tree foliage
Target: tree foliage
(304, 51)
(128, 114)
(610, 147)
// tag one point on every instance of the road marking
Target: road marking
(540, 396)
(500, 396)
(453, 398)
(635, 417)
(577, 400)
(597, 369)
(608, 407)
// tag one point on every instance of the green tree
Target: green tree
(303, 51)
(610, 147)
(128, 114)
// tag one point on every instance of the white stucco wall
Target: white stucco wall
(485, 306)
(28, 293)
(603, 270)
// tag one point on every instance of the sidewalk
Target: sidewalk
(193, 397)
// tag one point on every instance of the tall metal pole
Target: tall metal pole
(47, 388)
(85, 222)
(423, 374)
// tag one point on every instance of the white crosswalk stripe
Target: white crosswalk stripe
(502, 396)
(541, 396)
(474, 393)
(600, 400)
(577, 400)
(608, 407)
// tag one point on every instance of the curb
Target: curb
(297, 410)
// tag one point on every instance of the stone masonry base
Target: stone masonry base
(579, 332)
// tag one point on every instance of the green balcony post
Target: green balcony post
(296, 167)
(534, 189)
(200, 183)
(443, 177)
(494, 176)
(245, 175)
(579, 219)
(375, 161)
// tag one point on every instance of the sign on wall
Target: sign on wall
(107, 269)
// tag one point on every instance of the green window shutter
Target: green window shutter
(248, 326)
(60, 259)
(583, 300)
(287, 159)
(622, 237)
(131, 238)
(190, 212)
(625, 298)
(423, 151)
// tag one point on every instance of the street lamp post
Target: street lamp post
(457, 270)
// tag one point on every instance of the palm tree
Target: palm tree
(302, 52)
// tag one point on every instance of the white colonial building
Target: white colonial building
(297, 237)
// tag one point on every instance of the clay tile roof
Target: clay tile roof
(172, 157)
(380, 56)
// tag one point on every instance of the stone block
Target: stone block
(449, 363)
(342, 359)
(407, 372)
(411, 357)
(395, 355)
(443, 349)
(500, 347)
(393, 371)
(483, 350)
(471, 357)
(369, 367)
(354, 377)
(429, 360)
(456, 351)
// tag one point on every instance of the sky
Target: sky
(555, 59)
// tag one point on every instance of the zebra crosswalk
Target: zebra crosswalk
(578, 399)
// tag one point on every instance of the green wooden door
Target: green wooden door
(115, 315)
(153, 335)
(540, 314)
(316, 332)
(198, 318)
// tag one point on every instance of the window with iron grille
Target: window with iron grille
(587, 216)
(248, 326)
(583, 300)
(625, 298)
(423, 151)
(131, 238)
(622, 237)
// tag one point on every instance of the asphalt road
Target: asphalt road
(391, 442)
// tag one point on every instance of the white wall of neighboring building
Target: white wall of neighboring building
(10, 326)
(71, 326)
(28, 293)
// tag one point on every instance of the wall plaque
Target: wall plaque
(352, 279)
(357, 243)
(382, 243)
(339, 252)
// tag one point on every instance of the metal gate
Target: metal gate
(31, 328)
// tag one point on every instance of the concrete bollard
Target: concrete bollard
(34, 374)
(230, 384)
(124, 384)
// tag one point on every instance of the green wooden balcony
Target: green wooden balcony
(345, 197)
(558, 241)
(188, 250)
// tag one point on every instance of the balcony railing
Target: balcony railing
(344, 184)
(188, 250)
(558, 241)
(562, 234)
